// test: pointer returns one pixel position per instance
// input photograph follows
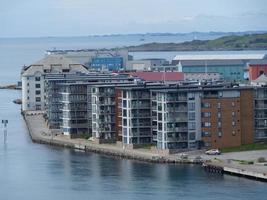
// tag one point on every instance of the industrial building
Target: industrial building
(231, 67)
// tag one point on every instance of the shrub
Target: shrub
(261, 159)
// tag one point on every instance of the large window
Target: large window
(37, 86)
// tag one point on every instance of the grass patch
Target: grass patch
(246, 147)
(244, 162)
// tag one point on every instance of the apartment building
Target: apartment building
(176, 119)
(72, 87)
(227, 117)
(260, 114)
(134, 124)
(33, 77)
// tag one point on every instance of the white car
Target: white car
(213, 152)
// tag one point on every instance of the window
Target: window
(191, 125)
(37, 92)
(219, 134)
(124, 104)
(160, 116)
(37, 86)
(206, 134)
(206, 105)
(219, 105)
(219, 114)
(28, 84)
(191, 96)
(191, 116)
(192, 136)
(124, 113)
(220, 94)
(160, 126)
(233, 123)
(124, 131)
(38, 99)
(124, 122)
(219, 124)
(206, 114)
(37, 78)
(124, 94)
(191, 106)
(233, 104)
(65, 70)
(207, 144)
(233, 114)
(233, 133)
(206, 124)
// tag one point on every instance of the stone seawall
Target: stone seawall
(37, 128)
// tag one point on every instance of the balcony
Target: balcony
(177, 129)
(142, 124)
(140, 106)
(260, 106)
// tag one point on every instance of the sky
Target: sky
(37, 18)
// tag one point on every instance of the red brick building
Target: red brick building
(257, 68)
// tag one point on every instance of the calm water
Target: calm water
(33, 171)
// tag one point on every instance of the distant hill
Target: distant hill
(234, 42)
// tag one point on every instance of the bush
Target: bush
(261, 159)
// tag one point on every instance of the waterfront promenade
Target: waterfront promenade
(40, 133)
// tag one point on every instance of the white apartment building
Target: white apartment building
(33, 90)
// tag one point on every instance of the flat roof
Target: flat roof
(219, 57)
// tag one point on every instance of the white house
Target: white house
(33, 78)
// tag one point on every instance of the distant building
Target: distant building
(202, 77)
(260, 81)
(159, 76)
(257, 68)
(32, 76)
(109, 63)
(230, 66)
(145, 64)
(97, 59)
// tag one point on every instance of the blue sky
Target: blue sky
(23, 18)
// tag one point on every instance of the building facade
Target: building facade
(33, 79)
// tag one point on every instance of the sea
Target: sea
(35, 171)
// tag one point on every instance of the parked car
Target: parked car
(213, 152)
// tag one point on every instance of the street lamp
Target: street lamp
(5, 122)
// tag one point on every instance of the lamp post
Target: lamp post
(5, 122)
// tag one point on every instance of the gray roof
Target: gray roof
(212, 62)
(258, 62)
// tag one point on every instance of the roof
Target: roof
(159, 76)
(261, 79)
(258, 62)
(212, 62)
(54, 63)
(219, 57)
